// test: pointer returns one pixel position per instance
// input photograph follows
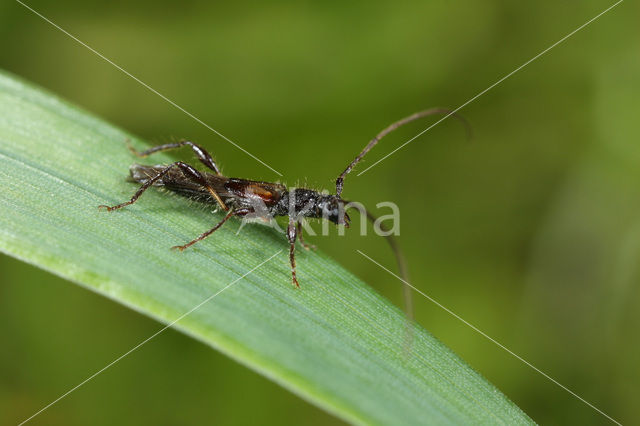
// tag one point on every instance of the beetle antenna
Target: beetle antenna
(404, 274)
(391, 128)
(402, 264)
(397, 252)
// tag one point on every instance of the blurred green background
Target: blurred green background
(531, 232)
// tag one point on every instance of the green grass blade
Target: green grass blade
(334, 342)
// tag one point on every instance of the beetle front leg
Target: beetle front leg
(292, 233)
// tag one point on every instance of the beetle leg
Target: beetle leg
(189, 171)
(291, 235)
(202, 154)
(304, 244)
(207, 233)
(197, 176)
(143, 188)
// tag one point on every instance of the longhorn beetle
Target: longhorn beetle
(243, 197)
